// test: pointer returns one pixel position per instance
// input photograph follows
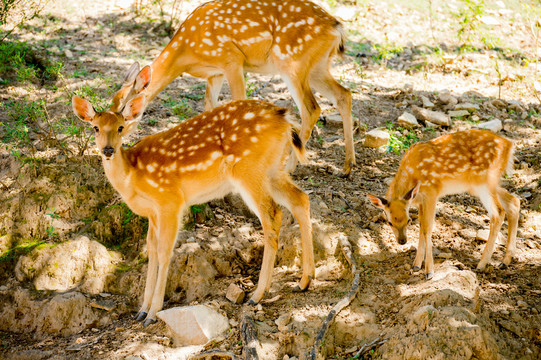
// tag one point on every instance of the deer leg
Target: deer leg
(495, 211)
(214, 86)
(420, 256)
(286, 193)
(425, 235)
(152, 270)
(511, 205)
(322, 80)
(168, 224)
(299, 88)
(235, 77)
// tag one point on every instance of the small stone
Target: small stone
(469, 209)
(430, 124)
(376, 138)
(235, 294)
(407, 120)
(282, 322)
(103, 305)
(482, 235)
(467, 106)
(458, 113)
(522, 304)
(3, 288)
(407, 267)
(68, 53)
(475, 118)
(527, 195)
(435, 117)
(445, 255)
(448, 99)
(408, 88)
(426, 102)
(498, 103)
(492, 125)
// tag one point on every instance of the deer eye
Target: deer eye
(97, 129)
(120, 128)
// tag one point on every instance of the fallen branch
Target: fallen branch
(346, 300)
(214, 354)
(249, 338)
(368, 347)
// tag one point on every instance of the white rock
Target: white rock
(282, 321)
(376, 138)
(458, 113)
(492, 125)
(68, 53)
(407, 120)
(194, 325)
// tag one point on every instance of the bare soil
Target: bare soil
(460, 314)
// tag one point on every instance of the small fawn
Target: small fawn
(467, 161)
(239, 147)
(296, 39)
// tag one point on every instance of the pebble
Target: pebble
(436, 117)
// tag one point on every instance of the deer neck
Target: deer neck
(401, 184)
(165, 68)
(117, 169)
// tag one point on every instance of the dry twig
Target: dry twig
(249, 338)
(345, 301)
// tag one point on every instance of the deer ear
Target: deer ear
(132, 73)
(410, 195)
(133, 111)
(143, 79)
(82, 109)
(378, 201)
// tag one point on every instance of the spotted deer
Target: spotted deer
(467, 161)
(294, 38)
(240, 147)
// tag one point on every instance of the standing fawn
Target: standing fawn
(294, 38)
(467, 161)
(240, 147)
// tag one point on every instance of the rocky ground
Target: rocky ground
(73, 256)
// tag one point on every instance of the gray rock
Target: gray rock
(467, 106)
(458, 113)
(426, 102)
(81, 263)
(448, 99)
(376, 138)
(194, 325)
(407, 120)
(435, 117)
(498, 103)
(494, 125)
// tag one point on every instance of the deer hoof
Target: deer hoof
(416, 268)
(140, 316)
(251, 302)
(149, 322)
(429, 275)
(503, 266)
(297, 289)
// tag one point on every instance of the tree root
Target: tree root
(345, 301)
(249, 338)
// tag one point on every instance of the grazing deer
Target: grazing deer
(294, 38)
(467, 161)
(240, 147)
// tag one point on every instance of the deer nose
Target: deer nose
(108, 151)
(402, 237)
